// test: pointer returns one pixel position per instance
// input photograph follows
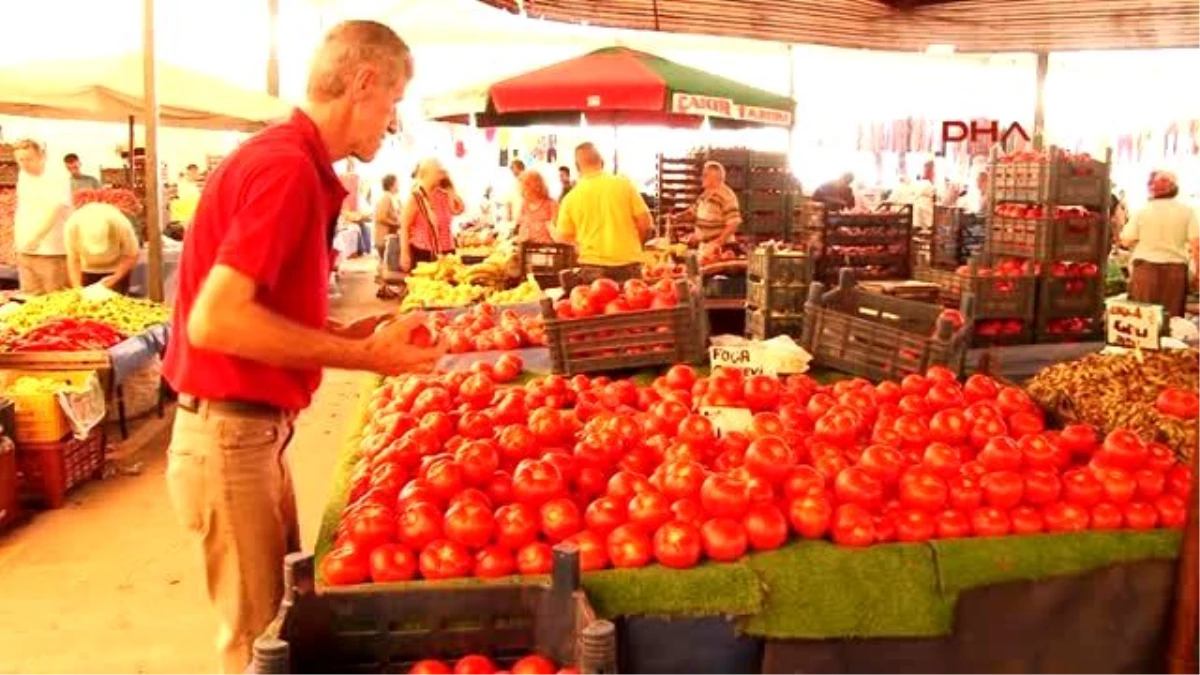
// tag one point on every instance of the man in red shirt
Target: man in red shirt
(252, 331)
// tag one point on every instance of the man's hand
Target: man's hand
(360, 328)
(110, 281)
(393, 352)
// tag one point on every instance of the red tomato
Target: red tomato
(818, 405)
(1079, 439)
(1012, 400)
(682, 479)
(625, 484)
(980, 388)
(508, 368)
(1179, 480)
(1124, 449)
(1172, 510)
(810, 515)
(953, 524)
(517, 525)
(419, 524)
(393, 562)
(882, 462)
(724, 539)
(988, 521)
(470, 524)
(477, 390)
(371, 526)
(681, 377)
(534, 665)
(430, 667)
(724, 497)
(537, 481)
(949, 426)
(1000, 454)
(495, 561)
(603, 291)
(766, 527)
(689, 511)
(649, 510)
(560, 519)
(801, 481)
(761, 392)
(344, 566)
(1039, 452)
(445, 559)
(915, 385)
(1042, 486)
(535, 558)
(944, 460)
(677, 545)
(1066, 517)
(697, 429)
(945, 395)
(758, 490)
(857, 486)
(1002, 489)
(921, 489)
(605, 515)
(1180, 403)
(1140, 516)
(474, 664)
(479, 460)
(1106, 516)
(1159, 458)
(445, 478)
(1027, 520)
(885, 527)
(1025, 422)
(770, 458)
(1119, 486)
(914, 525)
(1081, 487)
(852, 525)
(593, 554)
(629, 547)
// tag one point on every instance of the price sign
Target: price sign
(1135, 325)
(728, 419)
(750, 358)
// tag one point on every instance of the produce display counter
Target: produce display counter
(1027, 603)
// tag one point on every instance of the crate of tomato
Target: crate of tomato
(523, 625)
(1052, 177)
(607, 326)
(878, 336)
(1048, 233)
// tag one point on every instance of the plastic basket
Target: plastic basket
(48, 471)
(39, 418)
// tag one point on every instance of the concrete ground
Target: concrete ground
(110, 583)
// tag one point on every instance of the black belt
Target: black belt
(192, 404)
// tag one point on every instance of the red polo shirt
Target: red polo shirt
(268, 211)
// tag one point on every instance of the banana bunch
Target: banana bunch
(527, 291)
(434, 293)
(487, 273)
(445, 268)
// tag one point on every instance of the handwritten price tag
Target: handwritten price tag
(1134, 325)
(750, 358)
(728, 419)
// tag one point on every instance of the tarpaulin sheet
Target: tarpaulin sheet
(136, 351)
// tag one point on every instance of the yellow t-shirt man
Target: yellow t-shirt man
(600, 213)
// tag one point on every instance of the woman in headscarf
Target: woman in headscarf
(1161, 235)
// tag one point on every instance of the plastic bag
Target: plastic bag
(83, 406)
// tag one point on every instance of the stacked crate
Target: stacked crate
(1004, 299)
(678, 186)
(875, 245)
(776, 290)
(766, 189)
(957, 236)
(1050, 211)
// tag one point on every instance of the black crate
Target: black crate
(984, 336)
(1065, 297)
(779, 266)
(996, 297)
(763, 324)
(771, 179)
(725, 286)
(782, 299)
(387, 627)
(546, 261)
(1048, 239)
(1054, 177)
(1048, 330)
(956, 237)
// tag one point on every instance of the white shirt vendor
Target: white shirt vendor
(38, 199)
(101, 246)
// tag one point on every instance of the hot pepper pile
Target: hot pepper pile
(127, 315)
(64, 335)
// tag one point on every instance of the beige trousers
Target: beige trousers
(231, 487)
(41, 274)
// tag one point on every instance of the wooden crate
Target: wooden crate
(629, 340)
(1049, 240)
(996, 297)
(1052, 178)
(386, 628)
(881, 337)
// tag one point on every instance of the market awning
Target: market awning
(908, 25)
(615, 85)
(110, 90)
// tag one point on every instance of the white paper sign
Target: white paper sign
(751, 358)
(728, 419)
(1134, 324)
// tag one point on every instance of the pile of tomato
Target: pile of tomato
(460, 477)
(482, 328)
(478, 664)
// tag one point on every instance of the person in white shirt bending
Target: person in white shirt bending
(43, 205)
(101, 247)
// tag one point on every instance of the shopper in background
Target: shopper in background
(564, 181)
(189, 183)
(425, 222)
(43, 205)
(974, 199)
(836, 195)
(513, 198)
(251, 327)
(102, 247)
(353, 215)
(387, 223)
(1161, 235)
(538, 210)
(716, 213)
(924, 197)
(79, 180)
(605, 217)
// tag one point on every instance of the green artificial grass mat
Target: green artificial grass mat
(815, 589)
(963, 564)
(711, 589)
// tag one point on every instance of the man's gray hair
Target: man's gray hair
(347, 47)
(715, 166)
